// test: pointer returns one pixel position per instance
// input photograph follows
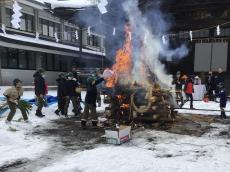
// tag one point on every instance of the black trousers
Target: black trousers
(61, 104)
(189, 96)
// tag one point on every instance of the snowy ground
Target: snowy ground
(208, 108)
(149, 150)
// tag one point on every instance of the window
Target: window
(64, 65)
(30, 23)
(93, 40)
(69, 34)
(3, 55)
(22, 59)
(26, 24)
(9, 14)
(18, 59)
(48, 28)
(12, 58)
(31, 60)
(23, 23)
(51, 29)
(50, 62)
(44, 28)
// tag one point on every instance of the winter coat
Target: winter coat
(39, 83)
(223, 98)
(211, 82)
(76, 77)
(91, 93)
(71, 86)
(219, 78)
(61, 89)
(13, 94)
(188, 89)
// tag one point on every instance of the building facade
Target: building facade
(44, 41)
(207, 50)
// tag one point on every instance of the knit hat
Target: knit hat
(70, 74)
(15, 81)
(90, 80)
(41, 71)
(61, 75)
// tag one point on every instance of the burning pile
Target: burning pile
(123, 64)
(130, 100)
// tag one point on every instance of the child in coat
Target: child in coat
(61, 93)
(72, 95)
(223, 99)
(13, 95)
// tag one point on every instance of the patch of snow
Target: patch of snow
(166, 152)
(207, 106)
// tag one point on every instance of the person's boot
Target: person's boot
(83, 123)
(223, 115)
(94, 123)
(39, 114)
(191, 107)
(57, 112)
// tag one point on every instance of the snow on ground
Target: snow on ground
(164, 153)
(148, 151)
(20, 144)
(207, 106)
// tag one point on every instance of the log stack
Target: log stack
(140, 103)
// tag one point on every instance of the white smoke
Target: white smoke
(151, 46)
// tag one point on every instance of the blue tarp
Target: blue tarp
(49, 99)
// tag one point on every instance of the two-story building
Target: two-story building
(43, 41)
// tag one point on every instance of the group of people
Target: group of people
(214, 86)
(68, 89)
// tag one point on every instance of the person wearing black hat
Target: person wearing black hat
(72, 95)
(61, 93)
(13, 95)
(40, 90)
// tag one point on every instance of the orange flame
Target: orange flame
(125, 106)
(122, 67)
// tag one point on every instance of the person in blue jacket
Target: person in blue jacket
(223, 99)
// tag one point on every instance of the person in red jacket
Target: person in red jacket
(188, 89)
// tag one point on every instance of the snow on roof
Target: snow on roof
(48, 43)
(38, 41)
(69, 3)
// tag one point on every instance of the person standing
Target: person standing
(220, 76)
(40, 90)
(77, 78)
(188, 89)
(72, 95)
(13, 95)
(223, 99)
(178, 88)
(90, 101)
(210, 86)
(61, 93)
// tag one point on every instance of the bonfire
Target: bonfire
(130, 100)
